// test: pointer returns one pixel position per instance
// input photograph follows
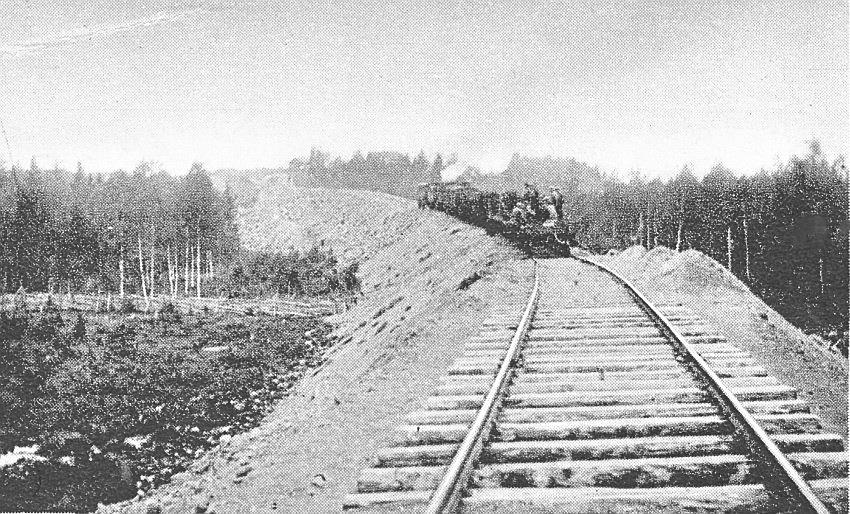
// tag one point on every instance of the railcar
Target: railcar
(491, 211)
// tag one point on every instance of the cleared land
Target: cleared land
(404, 333)
(397, 341)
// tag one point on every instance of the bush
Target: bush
(310, 274)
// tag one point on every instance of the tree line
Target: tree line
(143, 232)
(783, 231)
(388, 172)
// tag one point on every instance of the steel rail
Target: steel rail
(793, 485)
(448, 493)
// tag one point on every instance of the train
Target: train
(534, 232)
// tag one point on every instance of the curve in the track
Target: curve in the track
(601, 411)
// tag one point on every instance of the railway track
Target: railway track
(589, 399)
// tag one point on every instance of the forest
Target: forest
(140, 232)
(783, 231)
(100, 407)
(388, 172)
(145, 233)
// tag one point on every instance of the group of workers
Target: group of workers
(533, 222)
(529, 208)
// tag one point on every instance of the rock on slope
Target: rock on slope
(396, 341)
(693, 279)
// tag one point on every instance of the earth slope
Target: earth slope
(402, 334)
(395, 342)
(693, 279)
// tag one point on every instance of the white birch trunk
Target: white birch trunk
(640, 229)
(187, 275)
(121, 274)
(152, 280)
(176, 272)
(170, 272)
(198, 270)
(655, 233)
(729, 248)
(142, 275)
(746, 251)
(679, 236)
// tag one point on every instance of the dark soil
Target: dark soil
(117, 404)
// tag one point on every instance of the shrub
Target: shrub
(311, 274)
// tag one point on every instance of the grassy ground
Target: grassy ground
(116, 404)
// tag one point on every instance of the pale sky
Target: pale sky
(248, 83)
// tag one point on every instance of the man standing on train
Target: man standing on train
(559, 202)
(531, 198)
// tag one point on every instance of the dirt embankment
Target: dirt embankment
(404, 332)
(396, 341)
(699, 282)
